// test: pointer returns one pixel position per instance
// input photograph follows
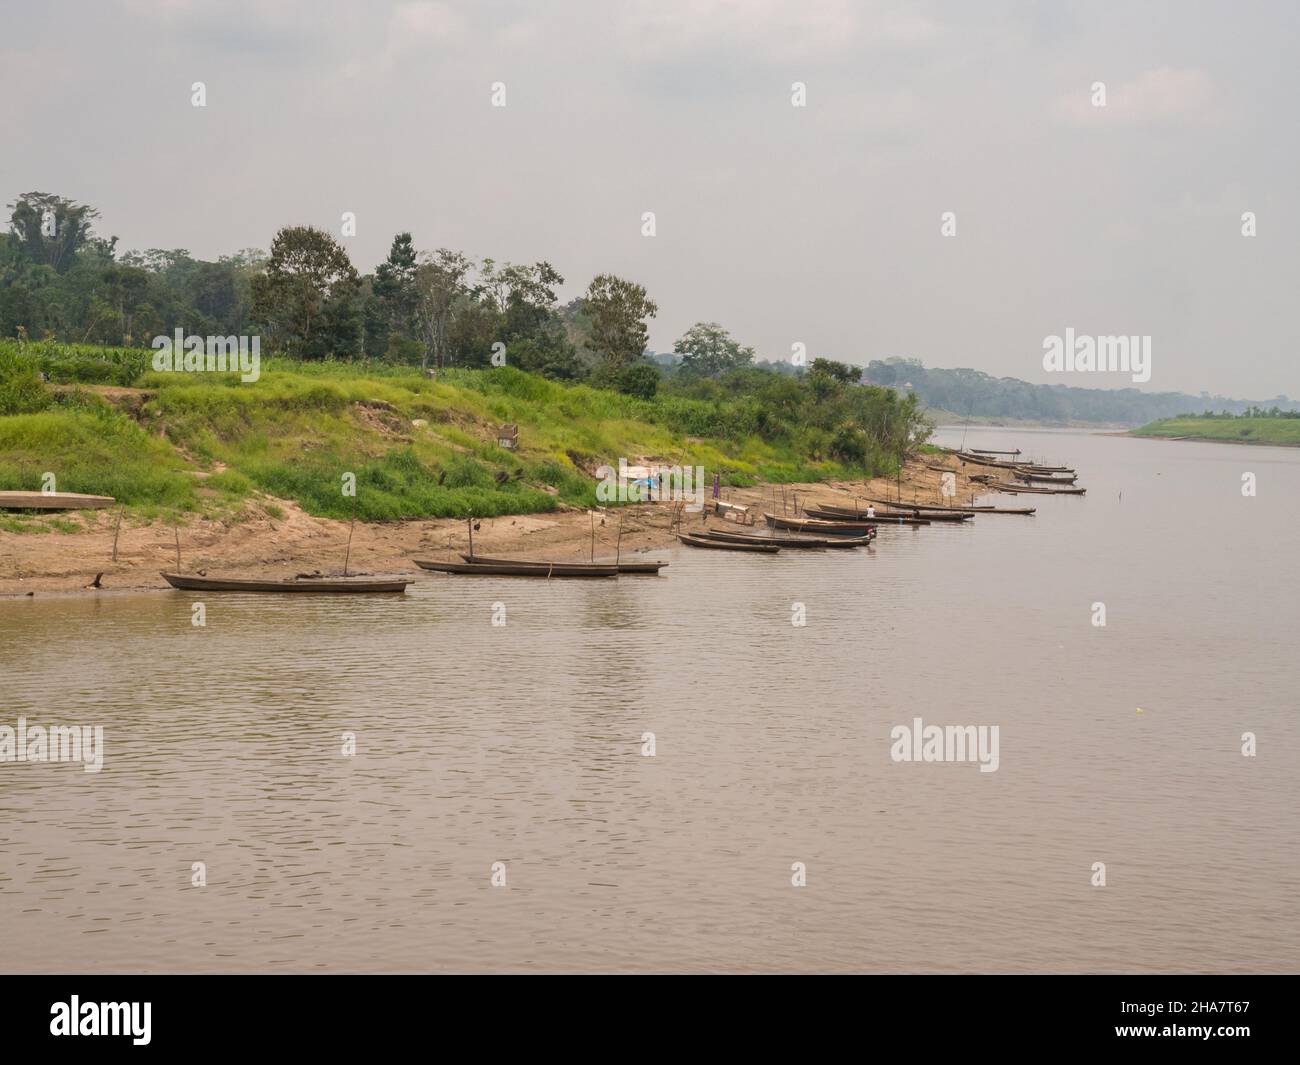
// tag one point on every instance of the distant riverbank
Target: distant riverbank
(1269, 431)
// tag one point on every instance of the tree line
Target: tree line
(59, 279)
(437, 309)
(971, 393)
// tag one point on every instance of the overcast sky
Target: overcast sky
(818, 225)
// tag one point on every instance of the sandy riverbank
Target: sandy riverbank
(259, 545)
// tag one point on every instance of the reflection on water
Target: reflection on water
(522, 744)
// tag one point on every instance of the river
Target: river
(523, 744)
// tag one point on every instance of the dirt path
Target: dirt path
(259, 545)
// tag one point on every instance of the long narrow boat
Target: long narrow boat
(830, 517)
(1015, 467)
(885, 515)
(986, 451)
(194, 583)
(53, 501)
(727, 545)
(831, 528)
(622, 567)
(1047, 478)
(929, 509)
(1003, 486)
(516, 569)
(785, 541)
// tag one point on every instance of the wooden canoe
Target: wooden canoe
(1046, 478)
(53, 501)
(926, 509)
(728, 545)
(622, 567)
(885, 515)
(1003, 486)
(517, 569)
(194, 583)
(814, 525)
(784, 541)
(821, 518)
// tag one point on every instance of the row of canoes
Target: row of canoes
(474, 566)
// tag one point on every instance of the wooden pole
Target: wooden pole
(618, 549)
(592, 515)
(116, 529)
(178, 549)
(348, 555)
(470, 522)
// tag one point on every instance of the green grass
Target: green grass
(416, 447)
(1282, 432)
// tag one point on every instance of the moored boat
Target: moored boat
(193, 582)
(785, 541)
(832, 528)
(518, 569)
(728, 545)
(832, 518)
(885, 515)
(622, 567)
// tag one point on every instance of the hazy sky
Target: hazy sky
(818, 224)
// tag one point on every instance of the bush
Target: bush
(640, 380)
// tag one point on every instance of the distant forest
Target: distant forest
(970, 393)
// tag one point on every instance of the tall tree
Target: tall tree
(307, 295)
(618, 309)
(707, 350)
(440, 291)
(51, 228)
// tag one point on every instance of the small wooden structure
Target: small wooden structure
(508, 437)
(733, 512)
(53, 501)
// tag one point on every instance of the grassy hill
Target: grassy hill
(104, 422)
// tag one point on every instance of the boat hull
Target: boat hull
(515, 569)
(728, 545)
(194, 583)
(622, 567)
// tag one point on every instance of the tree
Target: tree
(306, 297)
(50, 228)
(394, 286)
(618, 310)
(707, 350)
(439, 285)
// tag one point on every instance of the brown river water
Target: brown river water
(522, 744)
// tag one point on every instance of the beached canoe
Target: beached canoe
(833, 518)
(785, 541)
(622, 567)
(826, 510)
(1047, 478)
(815, 525)
(1003, 486)
(53, 501)
(728, 545)
(194, 583)
(518, 569)
(928, 510)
